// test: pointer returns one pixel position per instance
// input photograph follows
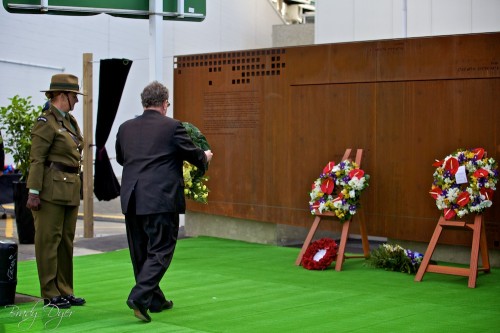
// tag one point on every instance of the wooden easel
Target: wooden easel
(345, 228)
(478, 243)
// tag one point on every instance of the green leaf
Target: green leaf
(195, 134)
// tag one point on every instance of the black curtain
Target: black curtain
(2, 153)
(112, 77)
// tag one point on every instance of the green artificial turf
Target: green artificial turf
(231, 286)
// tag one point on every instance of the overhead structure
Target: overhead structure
(185, 10)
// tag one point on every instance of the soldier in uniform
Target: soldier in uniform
(54, 190)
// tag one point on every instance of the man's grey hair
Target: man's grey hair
(154, 94)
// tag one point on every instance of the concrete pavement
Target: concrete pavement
(109, 230)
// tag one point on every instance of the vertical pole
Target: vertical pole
(180, 8)
(155, 40)
(88, 165)
(44, 5)
(405, 19)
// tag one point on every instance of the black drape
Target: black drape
(112, 77)
(2, 153)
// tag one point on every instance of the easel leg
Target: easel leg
(484, 250)
(428, 253)
(308, 240)
(474, 254)
(343, 242)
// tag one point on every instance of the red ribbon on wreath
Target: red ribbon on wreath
(320, 254)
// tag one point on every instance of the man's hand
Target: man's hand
(33, 202)
(209, 155)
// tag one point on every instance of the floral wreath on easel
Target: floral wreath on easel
(464, 182)
(338, 190)
(320, 254)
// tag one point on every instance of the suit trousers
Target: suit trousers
(152, 239)
(54, 234)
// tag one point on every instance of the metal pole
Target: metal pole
(405, 18)
(155, 40)
(44, 5)
(88, 156)
(180, 8)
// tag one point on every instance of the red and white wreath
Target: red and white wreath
(464, 182)
(320, 254)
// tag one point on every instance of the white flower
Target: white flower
(322, 207)
(357, 184)
(453, 194)
(316, 193)
(462, 212)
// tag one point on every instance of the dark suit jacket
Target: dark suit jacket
(151, 148)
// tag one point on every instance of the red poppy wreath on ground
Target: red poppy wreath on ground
(320, 254)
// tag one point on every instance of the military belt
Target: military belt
(62, 167)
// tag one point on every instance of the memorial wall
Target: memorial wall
(275, 117)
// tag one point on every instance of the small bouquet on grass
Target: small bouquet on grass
(395, 258)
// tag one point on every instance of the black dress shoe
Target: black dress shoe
(168, 304)
(57, 302)
(77, 301)
(140, 312)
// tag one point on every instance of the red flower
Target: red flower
(463, 199)
(487, 192)
(451, 165)
(338, 198)
(329, 167)
(356, 173)
(320, 254)
(327, 185)
(478, 152)
(481, 173)
(315, 205)
(435, 192)
(437, 163)
(449, 213)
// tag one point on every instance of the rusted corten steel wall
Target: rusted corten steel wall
(275, 117)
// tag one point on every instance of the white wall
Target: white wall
(356, 20)
(47, 44)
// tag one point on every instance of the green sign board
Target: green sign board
(186, 10)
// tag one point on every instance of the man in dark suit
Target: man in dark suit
(151, 148)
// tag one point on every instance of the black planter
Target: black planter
(24, 217)
(8, 272)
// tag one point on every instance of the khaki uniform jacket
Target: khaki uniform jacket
(53, 139)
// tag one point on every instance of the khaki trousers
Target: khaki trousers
(54, 234)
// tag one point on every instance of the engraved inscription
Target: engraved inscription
(231, 112)
(385, 48)
(479, 66)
